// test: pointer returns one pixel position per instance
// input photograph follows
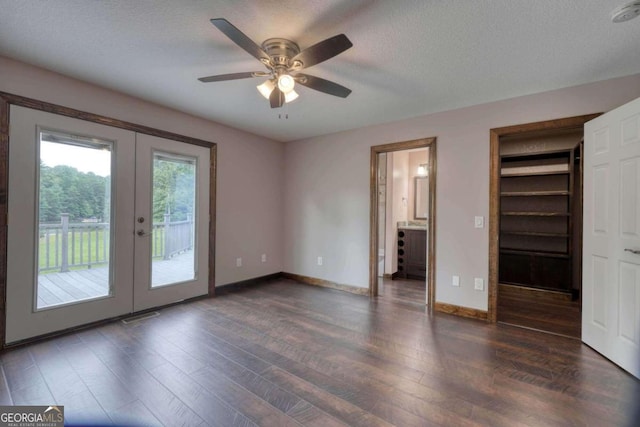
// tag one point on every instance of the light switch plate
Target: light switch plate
(478, 284)
(479, 222)
(319, 260)
(238, 262)
(455, 281)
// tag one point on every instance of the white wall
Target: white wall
(250, 177)
(327, 186)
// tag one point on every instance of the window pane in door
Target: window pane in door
(173, 237)
(74, 219)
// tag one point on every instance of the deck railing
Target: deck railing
(64, 246)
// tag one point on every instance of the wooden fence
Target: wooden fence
(66, 245)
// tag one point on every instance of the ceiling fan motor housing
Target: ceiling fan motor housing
(280, 51)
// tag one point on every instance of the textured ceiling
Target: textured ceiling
(410, 57)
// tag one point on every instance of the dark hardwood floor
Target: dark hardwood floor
(546, 311)
(284, 354)
(403, 290)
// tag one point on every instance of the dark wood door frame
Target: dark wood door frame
(6, 100)
(373, 212)
(569, 123)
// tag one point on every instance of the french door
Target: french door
(102, 222)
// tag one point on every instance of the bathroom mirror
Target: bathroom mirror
(421, 197)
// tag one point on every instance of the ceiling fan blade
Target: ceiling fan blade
(322, 85)
(232, 76)
(276, 99)
(322, 51)
(239, 38)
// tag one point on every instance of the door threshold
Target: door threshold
(538, 330)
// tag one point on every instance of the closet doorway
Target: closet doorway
(536, 226)
(402, 221)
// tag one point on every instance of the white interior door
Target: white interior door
(102, 222)
(611, 252)
(172, 221)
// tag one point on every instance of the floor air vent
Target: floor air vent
(140, 317)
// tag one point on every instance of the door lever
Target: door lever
(141, 233)
(633, 251)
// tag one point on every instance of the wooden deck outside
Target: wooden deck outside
(77, 285)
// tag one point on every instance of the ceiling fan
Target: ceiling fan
(284, 60)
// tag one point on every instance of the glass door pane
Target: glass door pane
(74, 217)
(173, 204)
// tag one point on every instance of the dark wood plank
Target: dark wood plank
(109, 390)
(66, 386)
(404, 290)
(241, 399)
(203, 401)
(135, 413)
(324, 399)
(25, 382)
(309, 415)
(129, 363)
(541, 310)
(5, 394)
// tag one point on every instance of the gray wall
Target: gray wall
(327, 186)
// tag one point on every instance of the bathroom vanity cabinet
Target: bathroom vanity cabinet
(412, 253)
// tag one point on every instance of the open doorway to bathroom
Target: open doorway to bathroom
(402, 221)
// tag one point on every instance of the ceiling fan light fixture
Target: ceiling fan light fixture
(291, 96)
(286, 83)
(266, 88)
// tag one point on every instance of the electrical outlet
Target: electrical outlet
(264, 258)
(238, 262)
(478, 284)
(319, 260)
(455, 281)
(479, 222)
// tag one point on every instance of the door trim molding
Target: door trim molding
(7, 99)
(568, 123)
(373, 211)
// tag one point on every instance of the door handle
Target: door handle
(633, 251)
(141, 233)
